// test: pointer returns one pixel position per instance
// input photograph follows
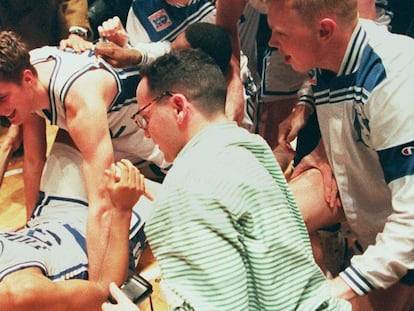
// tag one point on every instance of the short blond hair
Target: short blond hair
(312, 10)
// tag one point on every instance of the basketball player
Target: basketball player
(85, 97)
(52, 246)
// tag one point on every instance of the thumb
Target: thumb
(117, 294)
(63, 44)
(293, 133)
(299, 169)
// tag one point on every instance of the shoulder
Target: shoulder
(92, 87)
(229, 163)
(395, 51)
(95, 81)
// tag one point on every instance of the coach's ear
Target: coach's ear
(327, 27)
(180, 105)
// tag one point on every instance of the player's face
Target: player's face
(14, 100)
(294, 39)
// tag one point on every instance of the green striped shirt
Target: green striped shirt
(227, 233)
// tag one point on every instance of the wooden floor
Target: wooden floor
(12, 212)
(12, 215)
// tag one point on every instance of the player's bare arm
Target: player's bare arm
(35, 145)
(86, 113)
(228, 14)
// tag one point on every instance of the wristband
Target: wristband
(307, 104)
(80, 31)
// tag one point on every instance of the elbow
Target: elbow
(19, 293)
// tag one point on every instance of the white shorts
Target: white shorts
(58, 249)
(57, 246)
(250, 120)
(279, 80)
(54, 238)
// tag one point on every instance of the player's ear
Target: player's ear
(327, 27)
(27, 76)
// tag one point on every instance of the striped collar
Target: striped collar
(354, 51)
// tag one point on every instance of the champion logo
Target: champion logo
(407, 151)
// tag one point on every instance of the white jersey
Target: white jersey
(128, 140)
(366, 115)
(153, 25)
(155, 20)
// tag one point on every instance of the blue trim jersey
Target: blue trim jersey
(128, 140)
(155, 20)
(153, 25)
(366, 115)
(54, 240)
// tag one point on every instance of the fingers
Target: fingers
(327, 183)
(116, 293)
(333, 202)
(137, 178)
(287, 133)
(112, 173)
(110, 26)
(120, 169)
(75, 43)
(114, 31)
(292, 134)
(63, 44)
(148, 195)
(290, 127)
(287, 147)
(106, 306)
(104, 47)
(118, 296)
(125, 174)
(283, 141)
(118, 173)
(299, 169)
(115, 55)
(106, 51)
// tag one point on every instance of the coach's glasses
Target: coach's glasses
(139, 118)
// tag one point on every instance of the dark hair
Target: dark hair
(192, 73)
(213, 40)
(14, 57)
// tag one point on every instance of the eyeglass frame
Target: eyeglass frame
(142, 122)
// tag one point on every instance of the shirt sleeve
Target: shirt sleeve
(151, 51)
(392, 256)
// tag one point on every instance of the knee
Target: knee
(307, 188)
